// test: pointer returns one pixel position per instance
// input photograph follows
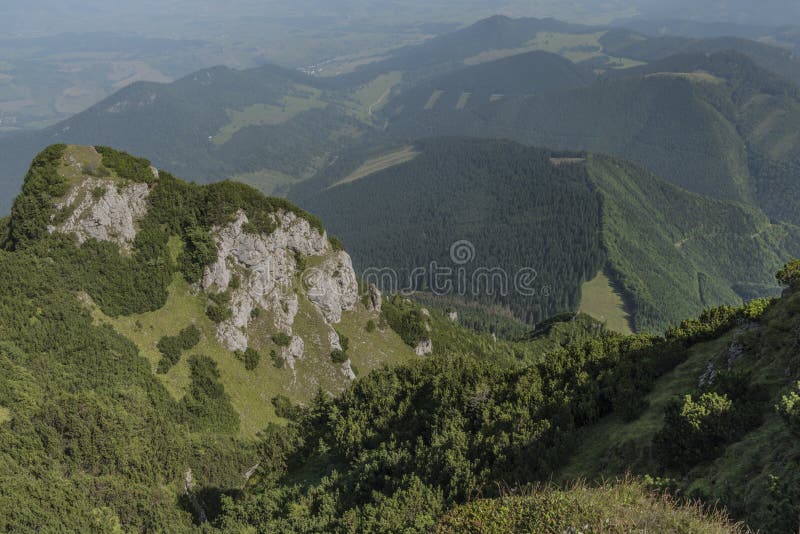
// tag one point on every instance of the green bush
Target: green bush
(284, 408)
(695, 430)
(344, 341)
(277, 361)
(250, 357)
(172, 346)
(31, 211)
(370, 326)
(338, 356)
(790, 274)
(281, 339)
(408, 322)
(789, 408)
(126, 166)
(218, 314)
(206, 405)
(199, 251)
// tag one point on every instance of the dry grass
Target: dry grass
(620, 507)
(5, 415)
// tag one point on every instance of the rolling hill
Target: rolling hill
(212, 124)
(669, 253)
(718, 125)
(273, 127)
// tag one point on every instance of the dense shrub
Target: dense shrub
(206, 405)
(31, 211)
(790, 274)
(171, 347)
(789, 408)
(250, 357)
(404, 319)
(218, 314)
(281, 339)
(695, 430)
(284, 408)
(126, 166)
(338, 356)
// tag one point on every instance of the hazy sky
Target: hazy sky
(193, 17)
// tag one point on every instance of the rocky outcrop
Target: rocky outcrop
(266, 267)
(347, 370)
(293, 352)
(332, 286)
(375, 299)
(424, 347)
(333, 340)
(104, 210)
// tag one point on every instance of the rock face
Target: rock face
(266, 266)
(332, 286)
(424, 347)
(103, 210)
(375, 298)
(293, 352)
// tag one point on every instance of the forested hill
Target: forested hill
(710, 411)
(671, 253)
(129, 403)
(210, 125)
(718, 125)
(519, 75)
(272, 127)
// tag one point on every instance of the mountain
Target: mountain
(273, 127)
(718, 125)
(179, 357)
(785, 36)
(669, 253)
(709, 411)
(518, 75)
(214, 123)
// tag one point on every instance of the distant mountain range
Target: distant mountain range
(714, 117)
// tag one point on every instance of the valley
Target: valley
(426, 275)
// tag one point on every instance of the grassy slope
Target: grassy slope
(675, 253)
(601, 301)
(622, 507)
(251, 392)
(742, 476)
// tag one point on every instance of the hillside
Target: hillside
(717, 125)
(272, 127)
(151, 330)
(459, 443)
(671, 253)
(519, 75)
(217, 122)
(750, 461)
(178, 356)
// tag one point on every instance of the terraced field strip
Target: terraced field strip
(437, 94)
(463, 100)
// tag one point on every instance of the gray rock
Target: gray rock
(375, 298)
(266, 267)
(293, 352)
(104, 210)
(333, 287)
(424, 347)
